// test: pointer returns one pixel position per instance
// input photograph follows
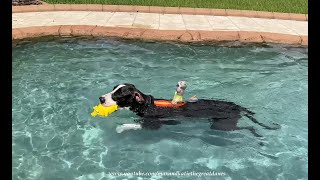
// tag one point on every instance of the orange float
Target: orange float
(167, 103)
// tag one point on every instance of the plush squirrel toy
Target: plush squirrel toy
(178, 96)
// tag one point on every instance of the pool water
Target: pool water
(56, 84)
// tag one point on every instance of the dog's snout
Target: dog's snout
(102, 100)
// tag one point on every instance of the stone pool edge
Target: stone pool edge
(158, 9)
(185, 36)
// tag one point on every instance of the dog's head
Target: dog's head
(125, 95)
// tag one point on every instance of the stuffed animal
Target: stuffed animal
(178, 96)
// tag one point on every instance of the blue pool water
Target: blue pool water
(56, 84)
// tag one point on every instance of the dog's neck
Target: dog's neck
(140, 108)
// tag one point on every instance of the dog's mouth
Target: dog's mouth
(107, 105)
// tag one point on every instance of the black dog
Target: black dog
(222, 115)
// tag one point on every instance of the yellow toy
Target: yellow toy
(103, 111)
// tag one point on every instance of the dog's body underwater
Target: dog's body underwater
(222, 115)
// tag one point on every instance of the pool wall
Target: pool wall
(163, 35)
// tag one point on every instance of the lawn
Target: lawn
(289, 6)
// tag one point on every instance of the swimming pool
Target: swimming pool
(55, 84)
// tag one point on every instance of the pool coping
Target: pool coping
(158, 9)
(184, 36)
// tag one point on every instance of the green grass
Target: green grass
(288, 6)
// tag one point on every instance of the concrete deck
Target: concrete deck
(162, 22)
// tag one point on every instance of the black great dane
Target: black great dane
(222, 115)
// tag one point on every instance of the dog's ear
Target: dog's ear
(138, 97)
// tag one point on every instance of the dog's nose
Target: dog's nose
(102, 100)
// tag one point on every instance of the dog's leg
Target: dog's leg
(125, 127)
(224, 123)
(230, 124)
(261, 124)
(251, 129)
(149, 123)
(170, 122)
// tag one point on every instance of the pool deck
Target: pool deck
(175, 26)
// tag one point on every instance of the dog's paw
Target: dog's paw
(119, 129)
(125, 127)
